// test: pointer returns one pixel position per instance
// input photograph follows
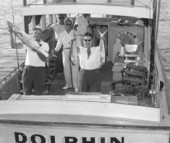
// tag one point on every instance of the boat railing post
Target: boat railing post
(33, 21)
(132, 2)
(43, 19)
(25, 18)
(24, 2)
(51, 19)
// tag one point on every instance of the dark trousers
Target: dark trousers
(33, 78)
(59, 61)
(90, 80)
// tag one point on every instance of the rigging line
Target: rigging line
(15, 35)
(144, 3)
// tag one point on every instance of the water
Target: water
(8, 56)
(164, 34)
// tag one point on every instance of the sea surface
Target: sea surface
(10, 10)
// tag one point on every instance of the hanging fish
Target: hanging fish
(73, 52)
(28, 40)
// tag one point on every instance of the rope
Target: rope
(144, 3)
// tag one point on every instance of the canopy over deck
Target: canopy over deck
(142, 9)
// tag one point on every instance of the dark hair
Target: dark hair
(88, 34)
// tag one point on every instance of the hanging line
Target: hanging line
(15, 35)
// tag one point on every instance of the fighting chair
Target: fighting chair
(134, 82)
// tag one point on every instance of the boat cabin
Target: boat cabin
(132, 105)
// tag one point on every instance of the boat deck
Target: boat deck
(58, 83)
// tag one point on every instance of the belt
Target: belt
(91, 69)
(68, 48)
(34, 67)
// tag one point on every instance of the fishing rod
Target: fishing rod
(15, 35)
(19, 86)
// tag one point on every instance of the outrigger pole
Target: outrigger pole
(154, 35)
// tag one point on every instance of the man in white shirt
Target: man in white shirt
(65, 41)
(33, 76)
(59, 27)
(91, 59)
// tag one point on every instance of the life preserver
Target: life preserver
(126, 37)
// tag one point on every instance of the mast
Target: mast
(154, 33)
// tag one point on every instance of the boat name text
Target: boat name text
(38, 138)
(127, 33)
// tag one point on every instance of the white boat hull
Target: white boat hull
(44, 133)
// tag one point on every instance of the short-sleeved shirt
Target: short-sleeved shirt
(65, 39)
(32, 58)
(91, 63)
(58, 28)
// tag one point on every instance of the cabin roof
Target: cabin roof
(138, 10)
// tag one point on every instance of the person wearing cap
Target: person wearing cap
(33, 75)
(59, 27)
(65, 42)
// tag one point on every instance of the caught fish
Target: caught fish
(28, 40)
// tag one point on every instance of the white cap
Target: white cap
(37, 27)
(68, 20)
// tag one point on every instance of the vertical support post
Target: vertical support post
(43, 19)
(54, 18)
(33, 22)
(25, 19)
(132, 2)
(108, 1)
(50, 18)
(43, 22)
(24, 2)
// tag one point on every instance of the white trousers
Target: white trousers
(67, 67)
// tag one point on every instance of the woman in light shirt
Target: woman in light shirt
(91, 59)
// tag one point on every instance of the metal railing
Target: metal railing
(10, 84)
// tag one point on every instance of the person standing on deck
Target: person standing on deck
(80, 28)
(59, 27)
(65, 41)
(91, 59)
(33, 75)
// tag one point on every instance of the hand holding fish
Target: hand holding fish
(101, 34)
(29, 40)
(26, 39)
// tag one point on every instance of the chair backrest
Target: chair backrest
(135, 74)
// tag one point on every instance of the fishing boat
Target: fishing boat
(133, 105)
